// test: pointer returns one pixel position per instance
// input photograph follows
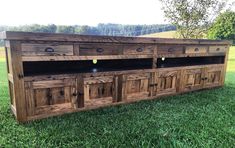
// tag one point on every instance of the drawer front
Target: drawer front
(138, 49)
(46, 50)
(170, 49)
(99, 49)
(196, 49)
(217, 49)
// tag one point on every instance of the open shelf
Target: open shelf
(67, 67)
(189, 61)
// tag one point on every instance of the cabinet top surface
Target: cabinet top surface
(32, 36)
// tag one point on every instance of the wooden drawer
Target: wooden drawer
(217, 49)
(53, 49)
(99, 91)
(170, 49)
(196, 49)
(138, 49)
(99, 49)
(49, 96)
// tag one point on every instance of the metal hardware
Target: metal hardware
(99, 50)
(171, 50)
(20, 76)
(49, 49)
(74, 94)
(196, 49)
(139, 49)
(61, 92)
(218, 49)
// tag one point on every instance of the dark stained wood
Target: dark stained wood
(46, 93)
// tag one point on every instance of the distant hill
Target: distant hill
(166, 34)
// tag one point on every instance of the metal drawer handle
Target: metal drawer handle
(171, 50)
(99, 50)
(49, 49)
(218, 49)
(139, 49)
(196, 49)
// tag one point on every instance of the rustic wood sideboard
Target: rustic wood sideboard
(52, 74)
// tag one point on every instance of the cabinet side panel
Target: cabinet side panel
(225, 66)
(18, 79)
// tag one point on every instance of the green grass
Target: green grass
(165, 34)
(199, 119)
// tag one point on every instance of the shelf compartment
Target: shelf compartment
(68, 67)
(189, 61)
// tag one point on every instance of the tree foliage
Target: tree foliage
(100, 29)
(223, 27)
(192, 17)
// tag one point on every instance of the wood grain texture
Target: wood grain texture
(18, 86)
(54, 49)
(9, 35)
(49, 94)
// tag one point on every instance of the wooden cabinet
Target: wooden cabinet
(136, 86)
(191, 79)
(204, 77)
(100, 90)
(213, 76)
(52, 74)
(164, 82)
(50, 96)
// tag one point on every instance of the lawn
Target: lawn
(165, 34)
(200, 119)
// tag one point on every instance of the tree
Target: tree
(192, 18)
(223, 27)
(65, 29)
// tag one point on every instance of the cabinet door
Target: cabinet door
(99, 90)
(49, 96)
(213, 76)
(192, 79)
(164, 82)
(136, 86)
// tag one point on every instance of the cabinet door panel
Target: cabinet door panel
(42, 99)
(213, 76)
(136, 86)
(99, 90)
(192, 79)
(166, 82)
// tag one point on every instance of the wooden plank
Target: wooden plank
(30, 100)
(80, 90)
(196, 49)
(138, 49)
(19, 91)
(171, 49)
(10, 35)
(53, 49)
(95, 49)
(10, 78)
(218, 49)
(51, 83)
(73, 58)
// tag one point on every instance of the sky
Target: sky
(80, 12)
